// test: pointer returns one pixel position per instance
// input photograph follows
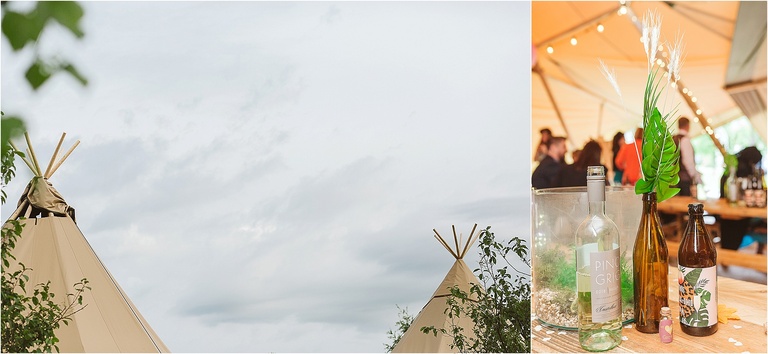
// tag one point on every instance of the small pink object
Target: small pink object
(665, 325)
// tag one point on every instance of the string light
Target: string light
(698, 112)
(574, 41)
(690, 93)
(600, 27)
(693, 99)
(623, 10)
(695, 119)
(685, 90)
(550, 50)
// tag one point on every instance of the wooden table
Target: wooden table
(720, 207)
(748, 298)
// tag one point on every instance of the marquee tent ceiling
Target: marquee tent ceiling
(590, 107)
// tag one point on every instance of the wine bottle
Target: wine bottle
(650, 263)
(598, 271)
(732, 187)
(749, 192)
(697, 276)
(759, 193)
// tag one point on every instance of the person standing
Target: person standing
(629, 158)
(689, 177)
(546, 174)
(618, 142)
(541, 150)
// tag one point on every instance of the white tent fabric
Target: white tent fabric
(434, 314)
(56, 250)
(590, 107)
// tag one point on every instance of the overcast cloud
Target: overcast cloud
(265, 176)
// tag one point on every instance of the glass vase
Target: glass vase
(557, 213)
(650, 260)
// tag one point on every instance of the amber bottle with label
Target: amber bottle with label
(697, 277)
(650, 267)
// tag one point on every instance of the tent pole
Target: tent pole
(34, 158)
(55, 153)
(58, 164)
(466, 245)
(22, 158)
(442, 242)
(537, 69)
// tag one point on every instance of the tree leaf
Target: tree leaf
(67, 13)
(37, 74)
(20, 29)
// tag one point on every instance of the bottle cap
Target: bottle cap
(696, 208)
(665, 311)
(595, 172)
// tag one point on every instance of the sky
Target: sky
(265, 176)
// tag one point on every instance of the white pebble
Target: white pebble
(533, 336)
(744, 352)
(561, 332)
(624, 338)
(736, 326)
(628, 326)
(546, 339)
(731, 340)
(738, 344)
(550, 332)
(537, 328)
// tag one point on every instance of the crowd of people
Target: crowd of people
(552, 170)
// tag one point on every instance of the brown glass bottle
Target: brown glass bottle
(651, 265)
(697, 277)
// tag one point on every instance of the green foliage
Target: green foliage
(555, 269)
(500, 306)
(25, 28)
(402, 325)
(660, 165)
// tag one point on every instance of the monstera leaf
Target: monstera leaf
(660, 154)
(660, 160)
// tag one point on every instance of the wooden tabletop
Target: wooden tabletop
(721, 207)
(745, 335)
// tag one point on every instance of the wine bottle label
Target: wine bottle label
(605, 274)
(698, 296)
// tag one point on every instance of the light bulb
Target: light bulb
(600, 27)
(693, 99)
(574, 41)
(550, 50)
(685, 90)
(622, 10)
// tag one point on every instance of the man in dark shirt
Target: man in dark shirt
(546, 174)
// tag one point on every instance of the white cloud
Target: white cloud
(265, 176)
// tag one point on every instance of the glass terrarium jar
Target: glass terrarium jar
(557, 213)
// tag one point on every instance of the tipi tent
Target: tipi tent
(55, 248)
(433, 313)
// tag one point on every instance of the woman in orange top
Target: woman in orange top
(629, 158)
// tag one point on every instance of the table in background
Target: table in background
(748, 298)
(678, 206)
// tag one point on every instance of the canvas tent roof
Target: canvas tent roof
(433, 313)
(589, 105)
(55, 249)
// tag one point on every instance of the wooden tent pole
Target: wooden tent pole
(34, 158)
(466, 246)
(455, 239)
(58, 164)
(22, 159)
(442, 242)
(55, 153)
(537, 69)
(18, 210)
